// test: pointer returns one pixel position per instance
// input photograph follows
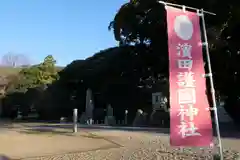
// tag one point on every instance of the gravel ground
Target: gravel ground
(136, 146)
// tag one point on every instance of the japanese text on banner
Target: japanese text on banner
(186, 91)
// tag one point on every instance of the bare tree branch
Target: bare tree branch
(15, 60)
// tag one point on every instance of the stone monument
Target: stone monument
(223, 116)
(160, 111)
(83, 118)
(109, 118)
(140, 118)
(89, 107)
(19, 114)
(126, 117)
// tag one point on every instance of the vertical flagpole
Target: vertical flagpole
(212, 85)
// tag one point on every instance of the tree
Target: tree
(15, 60)
(120, 76)
(144, 22)
(34, 76)
(138, 21)
(37, 75)
(47, 71)
(31, 84)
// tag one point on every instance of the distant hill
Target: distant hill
(5, 71)
(60, 68)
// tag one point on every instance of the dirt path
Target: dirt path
(17, 145)
(137, 145)
(36, 142)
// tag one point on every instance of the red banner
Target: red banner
(189, 114)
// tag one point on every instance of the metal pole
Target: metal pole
(212, 85)
(181, 6)
(75, 117)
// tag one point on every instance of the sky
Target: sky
(66, 29)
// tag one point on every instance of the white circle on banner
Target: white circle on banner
(183, 27)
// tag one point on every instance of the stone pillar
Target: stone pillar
(75, 117)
